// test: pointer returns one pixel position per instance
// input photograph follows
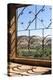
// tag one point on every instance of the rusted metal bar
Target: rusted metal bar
(43, 41)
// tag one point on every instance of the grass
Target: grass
(36, 53)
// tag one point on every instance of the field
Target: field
(35, 53)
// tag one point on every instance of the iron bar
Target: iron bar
(22, 11)
(35, 29)
(43, 41)
(29, 42)
(36, 16)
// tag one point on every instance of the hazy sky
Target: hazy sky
(43, 19)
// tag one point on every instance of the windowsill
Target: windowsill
(27, 70)
(38, 62)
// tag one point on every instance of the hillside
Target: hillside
(32, 46)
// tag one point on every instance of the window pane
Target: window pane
(22, 42)
(33, 32)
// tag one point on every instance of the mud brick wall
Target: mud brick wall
(12, 43)
(11, 31)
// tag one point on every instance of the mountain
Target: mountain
(32, 41)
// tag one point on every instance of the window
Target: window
(34, 32)
(29, 39)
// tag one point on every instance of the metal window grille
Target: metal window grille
(34, 31)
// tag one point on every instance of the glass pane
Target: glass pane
(47, 43)
(36, 43)
(34, 32)
(22, 42)
(25, 18)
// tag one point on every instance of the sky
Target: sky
(43, 20)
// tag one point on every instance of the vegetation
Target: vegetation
(35, 51)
